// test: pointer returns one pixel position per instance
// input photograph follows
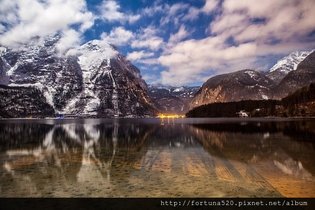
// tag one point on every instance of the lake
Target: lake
(157, 158)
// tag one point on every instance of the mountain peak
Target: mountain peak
(287, 64)
(93, 53)
(290, 62)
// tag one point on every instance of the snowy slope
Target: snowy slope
(287, 64)
(290, 62)
(91, 56)
(25, 69)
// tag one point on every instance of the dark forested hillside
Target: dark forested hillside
(303, 95)
(254, 108)
(300, 103)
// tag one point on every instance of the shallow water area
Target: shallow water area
(157, 158)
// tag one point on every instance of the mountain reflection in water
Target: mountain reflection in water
(157, 158)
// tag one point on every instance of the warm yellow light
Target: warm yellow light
(170, 116)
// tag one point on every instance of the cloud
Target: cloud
(230, 24)
(22, 20)
(69, 38)
(145, 38)
(133, 18)
(153, 43)
(188, 60)
(118, 36)
(148, 38)
(6, 15)
(180, 35)
(137, 55)
(148, 61)
(208, 7)
(151, 11)
(150, 78)
(173, 13)
(242, 34)
(26, 19)
(277, 20)
(110, 11)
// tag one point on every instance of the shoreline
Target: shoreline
(156, 117)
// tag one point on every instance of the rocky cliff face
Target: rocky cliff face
(93, 80)
(236, 86)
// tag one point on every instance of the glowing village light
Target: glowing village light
(161, 115)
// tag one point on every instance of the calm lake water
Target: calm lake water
(157, 158)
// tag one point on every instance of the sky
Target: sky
(172, 42)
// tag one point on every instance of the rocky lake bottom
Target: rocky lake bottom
(157, 158)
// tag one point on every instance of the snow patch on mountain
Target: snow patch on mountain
(179, 89)
(93, 53)
(290, 62)
(2, 50)
(252, 74)
(92, 56)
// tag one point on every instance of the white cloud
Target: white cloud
(148, 38)
(188, 60)
(210, 5)
(229, 24)
(173, 13)
(69, 39)
(137, 55)
(241, 34)
(26, 19)
(150, 78)
(282, 19)
(133, 18)
(153, 43)
(110, 11)
(118, 36)
(150, 11)
(175, 8)
(180, 35)
(148, 32)
(256, 8)
(192, 13)
(148, 61)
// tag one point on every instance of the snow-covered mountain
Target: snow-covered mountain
(287, 64)
(172, 99)
(253, 85)
(301, 77)
(92, 80)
